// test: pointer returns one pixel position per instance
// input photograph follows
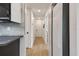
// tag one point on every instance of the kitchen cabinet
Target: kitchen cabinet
(16, 12)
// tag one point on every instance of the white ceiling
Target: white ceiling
(43, 7)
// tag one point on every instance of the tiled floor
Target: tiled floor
(39, 48)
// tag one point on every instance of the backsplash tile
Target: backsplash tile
(15, 29)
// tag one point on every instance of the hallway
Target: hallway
(39, 48)
(38, 29)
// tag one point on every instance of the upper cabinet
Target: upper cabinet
(16, 12)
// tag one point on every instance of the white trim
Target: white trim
(32, 30)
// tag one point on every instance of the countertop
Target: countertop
(4, 40)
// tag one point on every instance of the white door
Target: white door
(57, 30)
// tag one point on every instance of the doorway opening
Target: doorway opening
(39, 15)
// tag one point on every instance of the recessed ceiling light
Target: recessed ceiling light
(32, 17)
(39, 10)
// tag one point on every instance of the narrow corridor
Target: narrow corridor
(38, 39)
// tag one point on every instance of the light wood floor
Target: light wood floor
(39, 48)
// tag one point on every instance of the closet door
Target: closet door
(16, 12)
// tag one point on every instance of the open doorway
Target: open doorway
(39, 30)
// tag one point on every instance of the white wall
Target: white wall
(57, 30)
(73, 29)
(22, 40)
(38, 28)
(77, 22)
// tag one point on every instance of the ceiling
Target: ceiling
(39, 9)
